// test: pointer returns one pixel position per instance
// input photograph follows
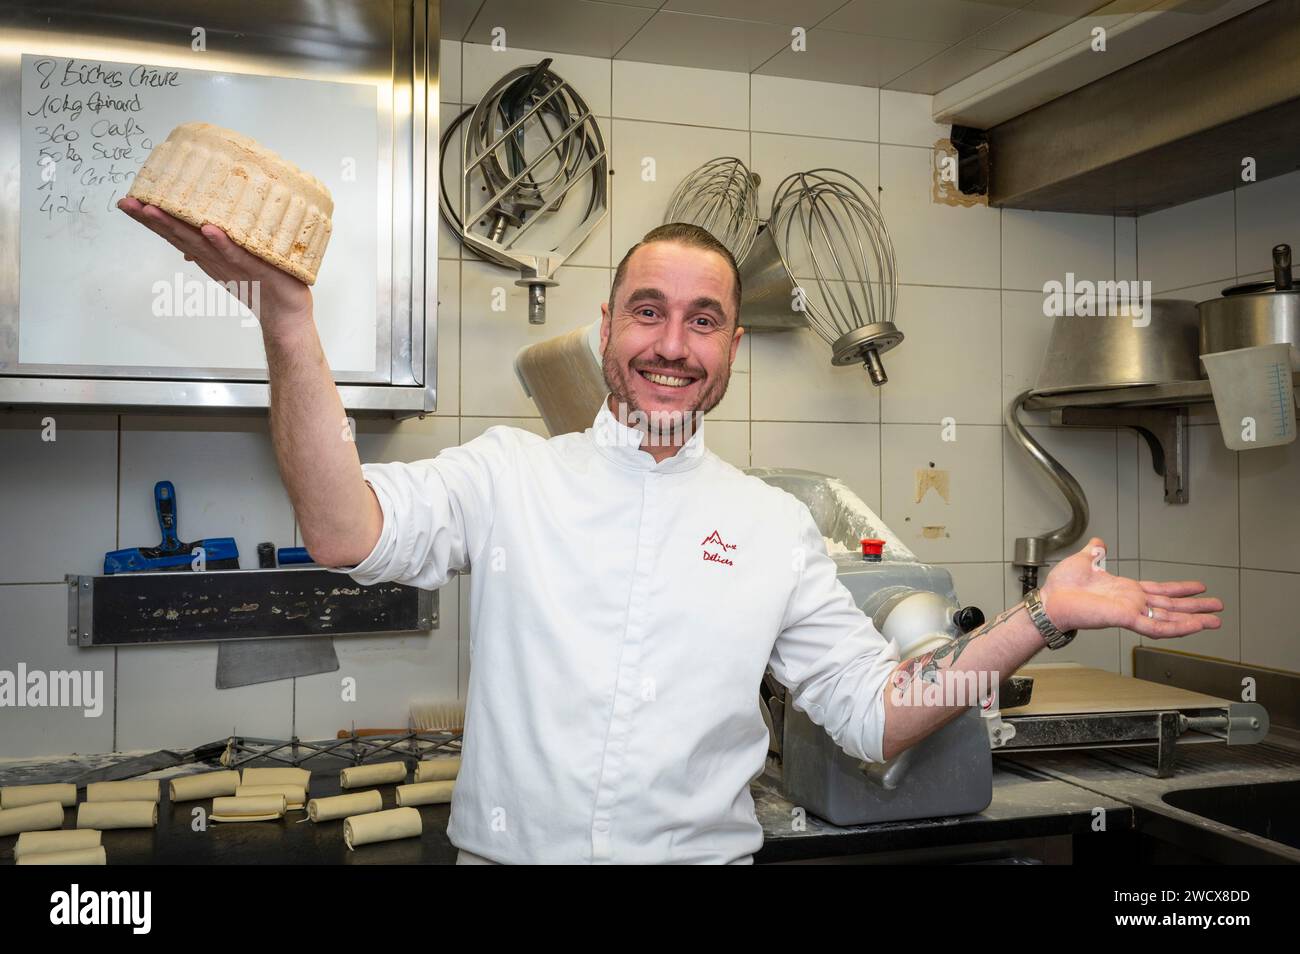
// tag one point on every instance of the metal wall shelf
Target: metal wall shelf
(1158, 412)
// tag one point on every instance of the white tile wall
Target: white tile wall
(947, 366)
(1188, 244)
(1270, 635)
(935, 244)
(448, 343)
(809, 108)
(33, 633)
(1126, 248)
(729, 440)
(825, 393)
(58, 495)
(1268, 214)
(905, 120)
(449, 68)
(677, 94)
(850, 451)
(1270, 512)
(1025, 334)
(970, 305)
(1243, 517)
(967, 527)
(1205, 529)
(1038, 247)
(166, 699)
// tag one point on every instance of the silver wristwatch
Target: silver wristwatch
(1054, 638)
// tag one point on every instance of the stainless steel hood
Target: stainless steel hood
(1170, 128)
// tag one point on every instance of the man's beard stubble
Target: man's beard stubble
(617, 382)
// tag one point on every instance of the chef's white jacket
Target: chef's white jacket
(622, 615)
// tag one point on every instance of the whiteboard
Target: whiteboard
(94, 284)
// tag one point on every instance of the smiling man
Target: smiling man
(629, 589)
(669, 334)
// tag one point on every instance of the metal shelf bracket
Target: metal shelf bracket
(1163, 428)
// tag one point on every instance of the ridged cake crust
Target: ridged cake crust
(206, 174)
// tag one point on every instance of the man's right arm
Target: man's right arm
(416, 522)
(338, 514)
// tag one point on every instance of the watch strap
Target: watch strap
(1053, 636)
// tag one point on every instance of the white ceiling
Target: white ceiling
(919, 46)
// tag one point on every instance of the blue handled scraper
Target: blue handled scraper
(219, 553)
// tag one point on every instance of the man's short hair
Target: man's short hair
(692, 236)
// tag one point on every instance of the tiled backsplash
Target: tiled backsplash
(970, 305)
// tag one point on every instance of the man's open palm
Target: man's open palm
(1079, 594)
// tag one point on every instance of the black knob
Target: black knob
(266, 556)
(968, 618)
(1282, 267)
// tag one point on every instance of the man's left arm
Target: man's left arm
(1078, 594)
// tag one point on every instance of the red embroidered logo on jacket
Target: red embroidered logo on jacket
(715, 539)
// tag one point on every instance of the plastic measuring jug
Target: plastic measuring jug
(1254, 395)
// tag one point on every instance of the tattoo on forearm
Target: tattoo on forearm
(945, 657)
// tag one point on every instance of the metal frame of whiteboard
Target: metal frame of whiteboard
(408, 158)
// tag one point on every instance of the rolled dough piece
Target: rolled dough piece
(249, 808)
(190, 788)
(436, 770)
(40, 817)
(358, 776)
(294, 795)
(426, 793)
(277, 776)
(16, 796)
(341, 806)
(79, 856)
(147, 790)
(44, 842)
(382, 826)
(105, 815)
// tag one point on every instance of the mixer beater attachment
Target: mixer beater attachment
(527, 143)
(826, 229)
(722, 197)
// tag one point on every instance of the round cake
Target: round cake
(205, 174)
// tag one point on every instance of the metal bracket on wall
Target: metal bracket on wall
(1163, 428)
(184, 607)
(972, 147)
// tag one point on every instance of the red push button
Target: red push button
(872, 549)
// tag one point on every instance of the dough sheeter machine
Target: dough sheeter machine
(1045, 707)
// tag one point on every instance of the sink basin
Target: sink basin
(1268, 810)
